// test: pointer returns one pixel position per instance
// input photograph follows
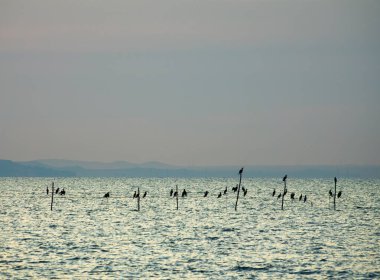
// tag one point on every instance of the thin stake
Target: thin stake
(282, 201)
(176, 189)
(138, 199)
(335, 180)
(52, 196)
(237, 197)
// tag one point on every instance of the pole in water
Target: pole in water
(283, 194)
(238, 191)
(138, 199)
(176, 190)
(335, 180)
(52, 196)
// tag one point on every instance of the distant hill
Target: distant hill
(70, 168)
(13, 169)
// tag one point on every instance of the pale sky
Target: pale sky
(191, 82)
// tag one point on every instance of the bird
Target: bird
(57, 190)
(292, 195)
(145, 193)
(135, 195)
(300, 197)
(245, 192)
(304, 198)
(184, 193)
(206, 193)
(171, 192)
(47, 190)
(243, 189)
(175, 194)
(235, 188)
(241, 171)
(220, 195)
(107, 195)
(225, 191)
(339, 194)
(285, 177)
(279, 196)
(62, 192)
(274, 192)
(138, 194)
(285, 192)
(330, 193)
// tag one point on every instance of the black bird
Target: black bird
(304, 198)
(285, 177)
(220, 195)
(235, 188)
(279, 196)
(62, 192)
(171, 192)
(330, 193)
(245, 192)
(184, 193)
(285, 192)
(138, 195)
(57, 190)
(47, 190)
(107, 195)
(339, 194)
(225, 191)
(300, 197)
(206, 193)
(241, 171)
(292, 195)
(135, 195)
(274, 192)
(145, 193)
(175, 194)
(243, 189)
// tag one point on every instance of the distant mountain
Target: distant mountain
(65, 168)
(13, 169)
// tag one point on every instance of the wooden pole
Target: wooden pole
(52, 196)
(176, 189)
(282, 201)
(335, 180)
(138, 199)
(237, 197)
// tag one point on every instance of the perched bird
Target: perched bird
(304, 198)
(57, 190)
(292, 195)
(279, 196)
(47, 190)
(285, 177)
(107, 195)
(245, 192)
(135, 195)
(330, 193)
(285, 192)
(220, 195)
(225, 191)
(175, 194)
(300, 197)
(339, 194)
(206, 193)
(235, 188)
(145, 193)
(274, 192)
(241, 171)
(62, 192)
(184, 193)
(243, 189)
(171, 192)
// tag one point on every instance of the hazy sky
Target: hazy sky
(191, 82)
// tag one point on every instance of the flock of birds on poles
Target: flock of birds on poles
(175, 193)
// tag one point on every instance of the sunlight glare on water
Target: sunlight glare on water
(88, 236)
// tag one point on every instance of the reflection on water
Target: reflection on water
(88, 236)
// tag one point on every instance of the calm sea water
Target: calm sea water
(88, 236)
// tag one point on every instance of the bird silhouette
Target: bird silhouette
(241, 171)
(171, 192)
(57, 190)
(135, 195)
(145, 193)
(285, 192)
(206, 193)
(225, 191)
(107, 195)
(279, 196)
(304, 198)
(339, 194)
(243, 189)
(235, 188)
(245, 192)
(330, 193)
(220, 195)
(285, 177)
(274, 192)
(62, 192)
(292, 195)
(184, 193)
(300, 197)
(175, 194)
(47, 190)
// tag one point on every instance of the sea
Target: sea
(88, 236)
